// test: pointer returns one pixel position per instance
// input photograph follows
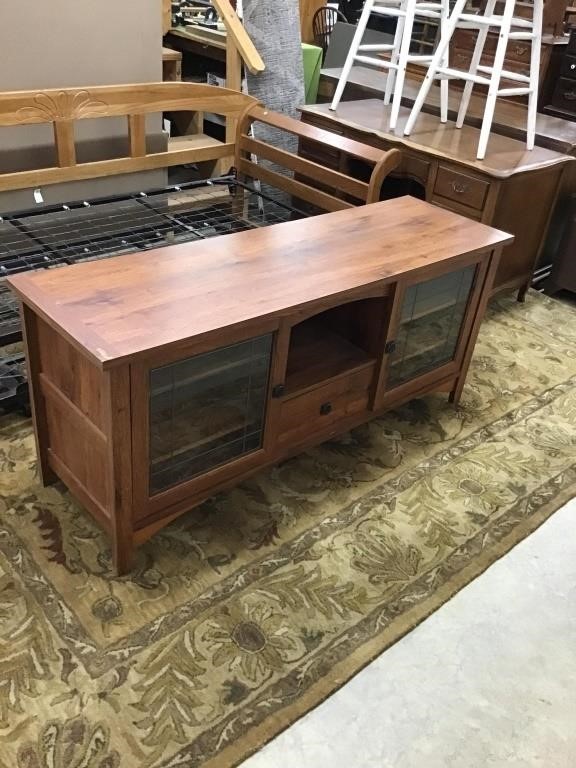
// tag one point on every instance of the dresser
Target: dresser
(511, 189)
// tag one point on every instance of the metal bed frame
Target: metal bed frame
(110, 226)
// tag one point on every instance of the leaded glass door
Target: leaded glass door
(430, 325)
(207, 411)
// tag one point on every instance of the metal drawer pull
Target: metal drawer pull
(520, 50)
(570, 95)
(572, 66)
(325, 409)
(459, 188)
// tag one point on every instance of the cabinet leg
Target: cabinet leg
(117, 394)
(522, 293)
(456, 393)
(122, 553)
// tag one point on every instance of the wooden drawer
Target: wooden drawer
(565, 95)
(314, 411)
(460, 187)
(460, 58)
(464, 40)
(415, 168)
(569, 67)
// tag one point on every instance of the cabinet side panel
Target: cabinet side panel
(72, 390)
(78, 447)
(72, 374)
(524, 210)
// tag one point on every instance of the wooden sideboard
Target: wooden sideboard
(152, 390)
(512, 189)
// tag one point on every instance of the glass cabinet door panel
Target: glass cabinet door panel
(430, 322)
(207, 410)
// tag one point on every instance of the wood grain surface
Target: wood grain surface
(123, 307)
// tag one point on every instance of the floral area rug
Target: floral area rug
(251, 609)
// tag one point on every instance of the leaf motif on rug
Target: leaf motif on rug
(169, 688)
(73, 743)
(26, 649)
(384, 558)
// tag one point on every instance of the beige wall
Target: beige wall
(76, 43)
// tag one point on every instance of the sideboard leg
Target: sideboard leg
(456, 393)
(122, 552)
(522, 293)
(120, 467)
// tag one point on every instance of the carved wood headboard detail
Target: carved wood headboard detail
(62, 107)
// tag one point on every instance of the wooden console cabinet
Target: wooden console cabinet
(152, 389)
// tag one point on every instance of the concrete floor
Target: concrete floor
(488, 681)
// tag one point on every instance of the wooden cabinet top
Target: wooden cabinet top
(509, 116)
(505, 156)
(117, 309)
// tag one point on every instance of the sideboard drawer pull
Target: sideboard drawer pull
(570, 95)
(325, 409)
(520, 50)
(463, 188)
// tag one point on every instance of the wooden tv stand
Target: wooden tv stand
(153, 390)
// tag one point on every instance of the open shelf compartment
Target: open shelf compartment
(334, 343)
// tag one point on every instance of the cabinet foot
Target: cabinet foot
(47, 475)
(522, 293)
(123, 557)
(456, 393)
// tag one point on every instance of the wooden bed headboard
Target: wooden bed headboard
(63, 107)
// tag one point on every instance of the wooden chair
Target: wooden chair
(322, 25)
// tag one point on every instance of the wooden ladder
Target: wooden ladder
(509, 28)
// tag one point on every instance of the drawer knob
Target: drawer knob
(520, 50)
(325, 409)
(278, 390)
(572, 66)
(459, 188)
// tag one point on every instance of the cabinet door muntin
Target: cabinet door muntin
(207, 410)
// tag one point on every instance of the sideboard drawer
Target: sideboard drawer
(415, 168)
(460, 187)
(318, 408)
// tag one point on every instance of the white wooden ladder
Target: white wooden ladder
(406, 12)
(509, 28)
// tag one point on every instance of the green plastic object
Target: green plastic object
(312, 57)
